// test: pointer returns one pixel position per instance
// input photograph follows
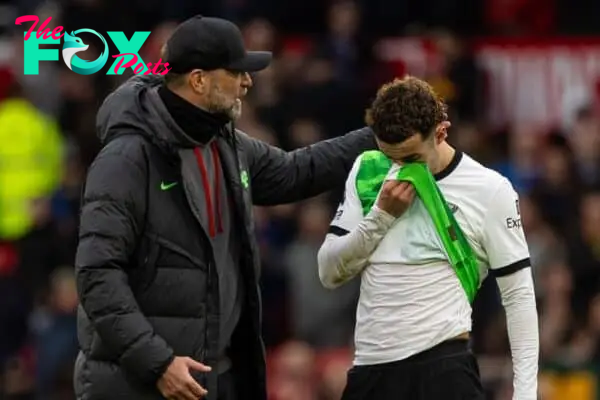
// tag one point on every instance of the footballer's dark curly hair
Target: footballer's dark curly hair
(403, 108)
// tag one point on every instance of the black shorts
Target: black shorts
(448, 371)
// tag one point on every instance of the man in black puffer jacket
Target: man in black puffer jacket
(167, 266)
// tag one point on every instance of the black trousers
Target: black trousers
(227, 386)
(448, 371)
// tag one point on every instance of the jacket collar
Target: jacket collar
(199, 125)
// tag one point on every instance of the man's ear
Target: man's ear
(441, 131)
(198, 80)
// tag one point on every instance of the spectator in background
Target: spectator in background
(555, 303)
(474, 139)
(304, 132)
(79, 95)
(323, 98)
(66, 200)
(259, 35)
(333, 371)
(520, 161)
(32, 165)
(341, 42)
(457, 78)
(558, 186)
(15, 305)
(321, 317)
(249, 121)
(545, 244)
(584, 139)
(31, 154)
(54, 329)
(584, 250)
(293, 377)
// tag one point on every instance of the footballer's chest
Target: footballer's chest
(414, 238)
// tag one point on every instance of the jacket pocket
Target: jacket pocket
(145, 273)
(150, 265)
(184, 257)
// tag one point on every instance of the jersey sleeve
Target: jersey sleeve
(349, 213)
(503, 236)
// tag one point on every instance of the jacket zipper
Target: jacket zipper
(206, 301)
(211, 217)
(252, 272)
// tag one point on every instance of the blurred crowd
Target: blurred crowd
(324, 74)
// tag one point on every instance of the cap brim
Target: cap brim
(254, 61)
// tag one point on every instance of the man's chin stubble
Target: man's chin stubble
(236, 111)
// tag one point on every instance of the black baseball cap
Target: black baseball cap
(211, 43)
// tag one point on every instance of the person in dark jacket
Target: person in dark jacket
(167, 265)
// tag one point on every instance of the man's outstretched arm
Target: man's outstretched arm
(508, 255)
(279, 177)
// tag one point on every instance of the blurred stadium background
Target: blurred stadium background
(522, 80)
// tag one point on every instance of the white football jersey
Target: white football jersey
(410, 297)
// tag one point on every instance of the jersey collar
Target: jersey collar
(451, 167)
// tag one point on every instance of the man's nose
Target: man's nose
(246, 80)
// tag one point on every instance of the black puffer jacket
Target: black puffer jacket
(145, 268)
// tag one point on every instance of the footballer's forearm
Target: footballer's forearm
(518, 299)
(343, 257)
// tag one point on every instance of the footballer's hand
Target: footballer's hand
(177, 382)
(396, 197)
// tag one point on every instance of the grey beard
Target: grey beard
(236, 111)
(233, 113)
